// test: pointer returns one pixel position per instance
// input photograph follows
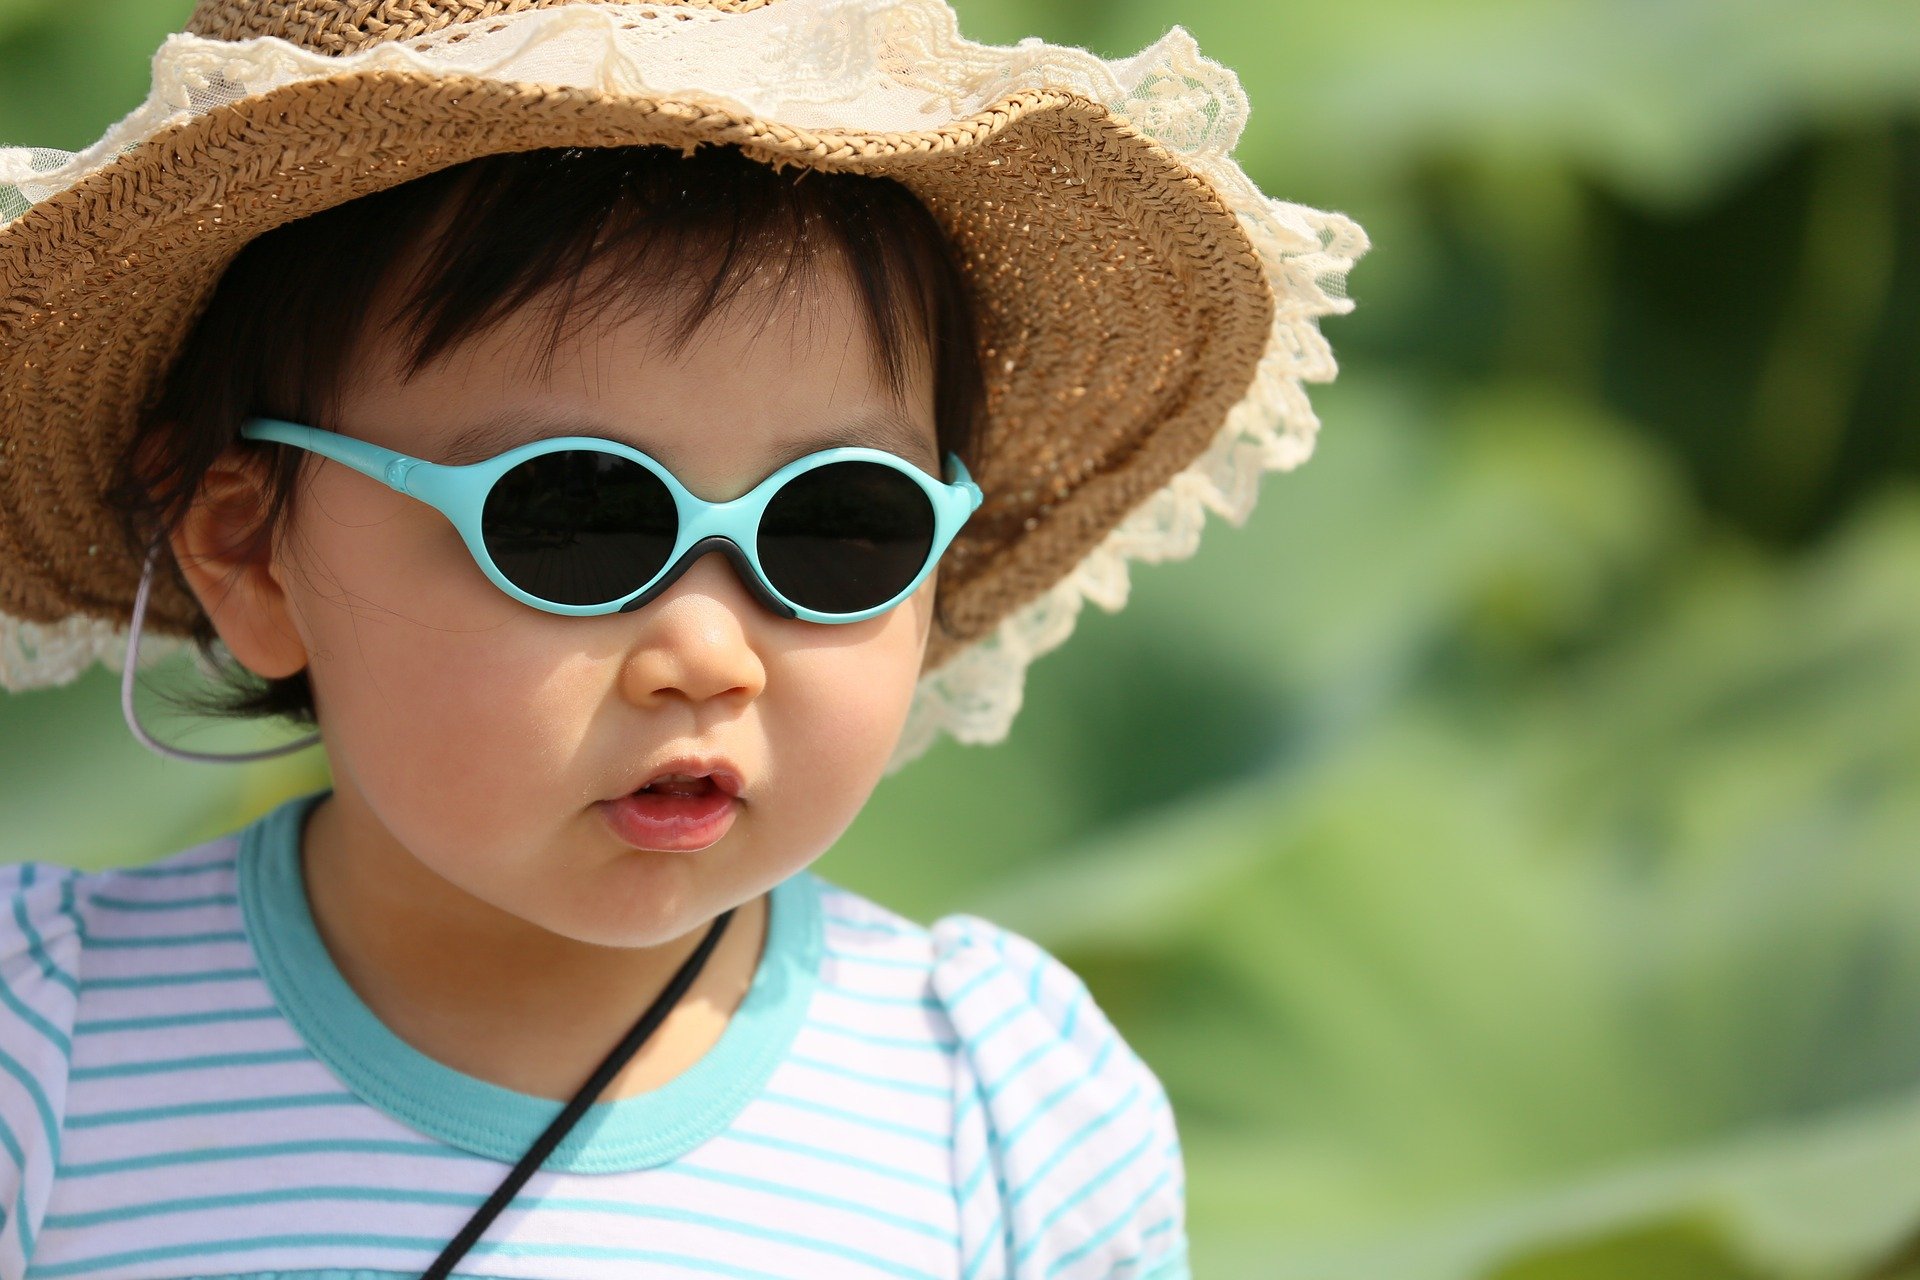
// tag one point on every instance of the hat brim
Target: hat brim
(1123, 310)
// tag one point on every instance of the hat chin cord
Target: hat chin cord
(128, 671)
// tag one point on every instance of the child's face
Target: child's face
(478, 734)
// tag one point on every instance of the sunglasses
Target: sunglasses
(580, 526)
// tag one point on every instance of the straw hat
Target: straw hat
(1147, 316)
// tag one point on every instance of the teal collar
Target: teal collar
(487, 1119)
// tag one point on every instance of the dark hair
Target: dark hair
(652, 225)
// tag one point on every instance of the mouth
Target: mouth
(685, 805)
(690, 778)
(678, 784)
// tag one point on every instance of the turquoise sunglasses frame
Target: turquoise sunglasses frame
(460, 494)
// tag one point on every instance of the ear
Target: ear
(226, 557)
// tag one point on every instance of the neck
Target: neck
(495, 996)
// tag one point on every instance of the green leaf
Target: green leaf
(1623, 966)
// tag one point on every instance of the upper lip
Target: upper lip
(724, 773)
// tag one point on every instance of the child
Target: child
(407, 356)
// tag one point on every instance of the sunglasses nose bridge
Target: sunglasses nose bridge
(742, 567)
(721, 526)
(702, 521)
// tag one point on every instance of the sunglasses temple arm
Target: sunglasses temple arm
(382, 464)
(962, 478)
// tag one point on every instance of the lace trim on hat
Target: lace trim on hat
(872, 65)
(36, 654)
(976, 693)
(877, 66)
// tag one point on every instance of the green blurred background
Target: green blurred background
(1503, 844)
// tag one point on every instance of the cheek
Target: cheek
(469, 735)
(425, 674)
(843, 705)
(363, 553)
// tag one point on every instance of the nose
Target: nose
(696, 639)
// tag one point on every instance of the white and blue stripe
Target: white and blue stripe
(890, 1100)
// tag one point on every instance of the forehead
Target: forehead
(769, 377)
(879, 426)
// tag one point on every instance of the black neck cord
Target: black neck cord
(543, 1145)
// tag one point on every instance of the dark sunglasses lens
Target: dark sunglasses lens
(846, 536)
(579, 526)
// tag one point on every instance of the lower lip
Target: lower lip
(669, 822)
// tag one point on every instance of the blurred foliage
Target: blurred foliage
(1501, 845)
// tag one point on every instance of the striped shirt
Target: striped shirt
(190, 1088)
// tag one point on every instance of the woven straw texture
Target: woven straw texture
(1147, 315)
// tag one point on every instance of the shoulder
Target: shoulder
(41, 933)
(52, 918)
(49, 913)
(1066, 1162)
(1081, 1166)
